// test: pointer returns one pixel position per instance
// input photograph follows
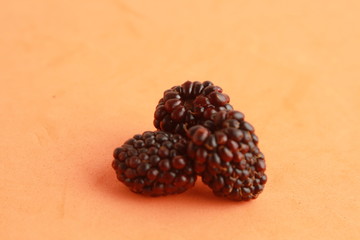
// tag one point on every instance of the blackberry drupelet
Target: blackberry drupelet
(154, 164)
(189, 104)
(227, 157)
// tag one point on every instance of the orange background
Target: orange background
(78, 78)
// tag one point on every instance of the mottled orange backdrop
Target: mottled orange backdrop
(80, 77)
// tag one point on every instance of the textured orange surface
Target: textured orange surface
(80, 77)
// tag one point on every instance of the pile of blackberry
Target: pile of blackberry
(198, 134)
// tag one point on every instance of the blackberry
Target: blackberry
(189, 104)
(227, 157)
(154, 164)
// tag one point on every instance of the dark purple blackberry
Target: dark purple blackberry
(227, 157)
(155, 164)
(189, 104)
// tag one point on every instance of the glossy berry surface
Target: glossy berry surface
(227, 157)
(154, 164)
(189, 104)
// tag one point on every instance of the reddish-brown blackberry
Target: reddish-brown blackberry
(188, 105)
(227, 157)
(155, 164)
